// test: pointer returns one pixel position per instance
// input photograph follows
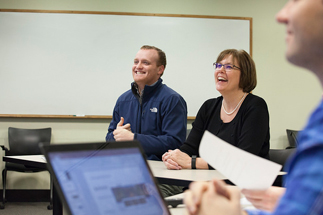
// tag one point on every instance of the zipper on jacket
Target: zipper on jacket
(139, 120)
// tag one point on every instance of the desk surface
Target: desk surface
(182, 177)
(179, 210)
(158, 168)
(38, 161)
(32, 158)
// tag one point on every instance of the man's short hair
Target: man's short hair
(161, 55)
(248, 76)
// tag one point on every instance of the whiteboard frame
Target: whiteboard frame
(115, 13)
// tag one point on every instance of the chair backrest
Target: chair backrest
(26, 141)
(188, 131)
(292, 138)
(280, 156)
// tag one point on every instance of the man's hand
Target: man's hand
(212, 198)
(264, 199)
(123, 132)
(121, 126)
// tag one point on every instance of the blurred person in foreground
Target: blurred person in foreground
(303, 192)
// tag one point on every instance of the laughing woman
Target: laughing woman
(237, 116)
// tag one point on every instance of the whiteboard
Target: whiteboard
(79, 64)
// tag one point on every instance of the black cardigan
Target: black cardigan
(249, 130)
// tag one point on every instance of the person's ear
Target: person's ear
(161, 69)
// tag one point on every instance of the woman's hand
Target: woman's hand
(169, 163)
(178, 157)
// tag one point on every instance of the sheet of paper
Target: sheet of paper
(244, 169)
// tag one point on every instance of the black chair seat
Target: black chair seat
(280, 156)
(21, 168)
(25, 142)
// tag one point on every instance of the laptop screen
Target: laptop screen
(106, 181)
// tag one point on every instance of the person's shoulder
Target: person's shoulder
(168, 92)
(126, 96)
(256, 100)
(210, 106)
(212, 102)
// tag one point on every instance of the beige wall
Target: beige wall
(290, 92)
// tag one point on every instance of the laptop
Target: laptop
(104, 178)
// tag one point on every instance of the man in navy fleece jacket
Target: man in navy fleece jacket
(149, 112)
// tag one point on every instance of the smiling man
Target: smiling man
(150, 112)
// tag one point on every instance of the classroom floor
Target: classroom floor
(40, 208)
(26, 208)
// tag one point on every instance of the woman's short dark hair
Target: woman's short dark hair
(248, 76)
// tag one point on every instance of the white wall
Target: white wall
(291, 93)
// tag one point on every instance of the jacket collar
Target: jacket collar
(147, 90)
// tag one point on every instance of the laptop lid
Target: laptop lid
(104, 178)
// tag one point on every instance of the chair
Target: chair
(292, 138)
(188, 131)
(280, 156)
(25, 142)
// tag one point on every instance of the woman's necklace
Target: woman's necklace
(235, 107)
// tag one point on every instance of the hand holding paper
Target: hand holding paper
(244, 169)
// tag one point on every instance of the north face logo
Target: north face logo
(154, 110)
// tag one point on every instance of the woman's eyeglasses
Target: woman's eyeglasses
(227, 67)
